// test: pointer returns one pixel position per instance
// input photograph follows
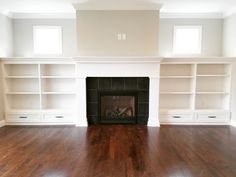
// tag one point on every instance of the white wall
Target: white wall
(230, 51)
(230, 36)
(5, 36)
(23, 35)
(211, 35)
(97, 32)
(1, 95)
(5, 50)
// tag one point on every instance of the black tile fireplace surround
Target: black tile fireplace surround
(96, 87)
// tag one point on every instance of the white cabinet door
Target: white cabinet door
(176, 118)
(24, 118)
(57, 118)
(211, 117)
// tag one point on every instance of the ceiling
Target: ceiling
(67, 6)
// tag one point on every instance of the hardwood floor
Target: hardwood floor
(118, 151)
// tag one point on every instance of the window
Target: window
(47, 40)
(187, 40)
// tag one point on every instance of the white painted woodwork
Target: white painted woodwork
(48, 91)
(119, 67)
(39, 92)
(197, 87)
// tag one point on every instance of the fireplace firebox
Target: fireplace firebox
(117, 100)
(117, 107)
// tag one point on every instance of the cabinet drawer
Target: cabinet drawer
(213, 118)
(58, 117)
(175, 118)
(23, 118)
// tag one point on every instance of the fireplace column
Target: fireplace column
(81, 103)
(154, 102)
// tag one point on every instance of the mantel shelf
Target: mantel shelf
(58, 93)
(118, 59)
(212, 93)
(176, 93)
(216, 75)
(23, 93)
(58, 77)
(177, 77)
(21, 77)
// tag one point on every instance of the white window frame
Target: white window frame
(59, 28)
(199, 50)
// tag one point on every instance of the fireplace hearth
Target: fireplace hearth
(117, 100)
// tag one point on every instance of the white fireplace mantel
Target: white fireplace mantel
(118, 67)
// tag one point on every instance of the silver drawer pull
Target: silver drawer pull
(23, 117)
(59, 117)
(176, 117)
(212, 117)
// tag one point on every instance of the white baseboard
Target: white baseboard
(196, 124)
(37, 124)
(2, 123)
(233, 123)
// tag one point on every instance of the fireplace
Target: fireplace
(117, 107)
(117, 100)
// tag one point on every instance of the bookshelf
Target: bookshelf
(195, 93)
(39, 93)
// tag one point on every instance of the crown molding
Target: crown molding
(164, 15)
(5, 12)
(122, 5)
(43, 15)
(229, 12)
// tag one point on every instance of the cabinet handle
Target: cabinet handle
(59, 117)
(176, 117)
(23, 117)
(212, 117)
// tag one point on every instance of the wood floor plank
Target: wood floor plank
(118, 151)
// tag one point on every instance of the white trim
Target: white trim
(163, 15)
(167, 15)
(123, 5)
(2, 123)
(229, 12)
(100, 60)
(7, 14)
(38, 123)
(105, 67)
(44, 15)
(195, 124)
(233, 123)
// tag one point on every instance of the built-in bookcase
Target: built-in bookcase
(195, 86)
(39, 87)
(176, 86)
(57, 70)
(58, 86)
(22, 86)
(62, 102)
(213, 86)
(195, 92)
(45, 91)
(21, 70)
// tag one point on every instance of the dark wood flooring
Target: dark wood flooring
(118, 151)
